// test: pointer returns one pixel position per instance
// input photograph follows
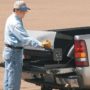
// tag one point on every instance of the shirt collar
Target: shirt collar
(17, 17)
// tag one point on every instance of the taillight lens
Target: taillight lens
(80, 52)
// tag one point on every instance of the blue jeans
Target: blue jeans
(13, 68)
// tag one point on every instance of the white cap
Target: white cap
(21, 5)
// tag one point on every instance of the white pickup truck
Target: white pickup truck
(66, 66)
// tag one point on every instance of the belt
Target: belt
(13, 47)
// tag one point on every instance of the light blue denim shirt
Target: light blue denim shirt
(16, 35)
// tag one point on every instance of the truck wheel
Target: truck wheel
(1, 64)
(43, 87)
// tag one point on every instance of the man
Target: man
(15, 39)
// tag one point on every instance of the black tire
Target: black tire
(43, 87)
(2, 64)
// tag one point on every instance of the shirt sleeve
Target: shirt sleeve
(21, 34)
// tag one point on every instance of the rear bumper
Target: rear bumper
(56, 77)
(54, 72)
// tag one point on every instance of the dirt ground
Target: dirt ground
(44, 15)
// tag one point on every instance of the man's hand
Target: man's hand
(46, 44)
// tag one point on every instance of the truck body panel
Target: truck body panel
(85, 71)
(58, 70)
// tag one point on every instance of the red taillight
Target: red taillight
(80, 53)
